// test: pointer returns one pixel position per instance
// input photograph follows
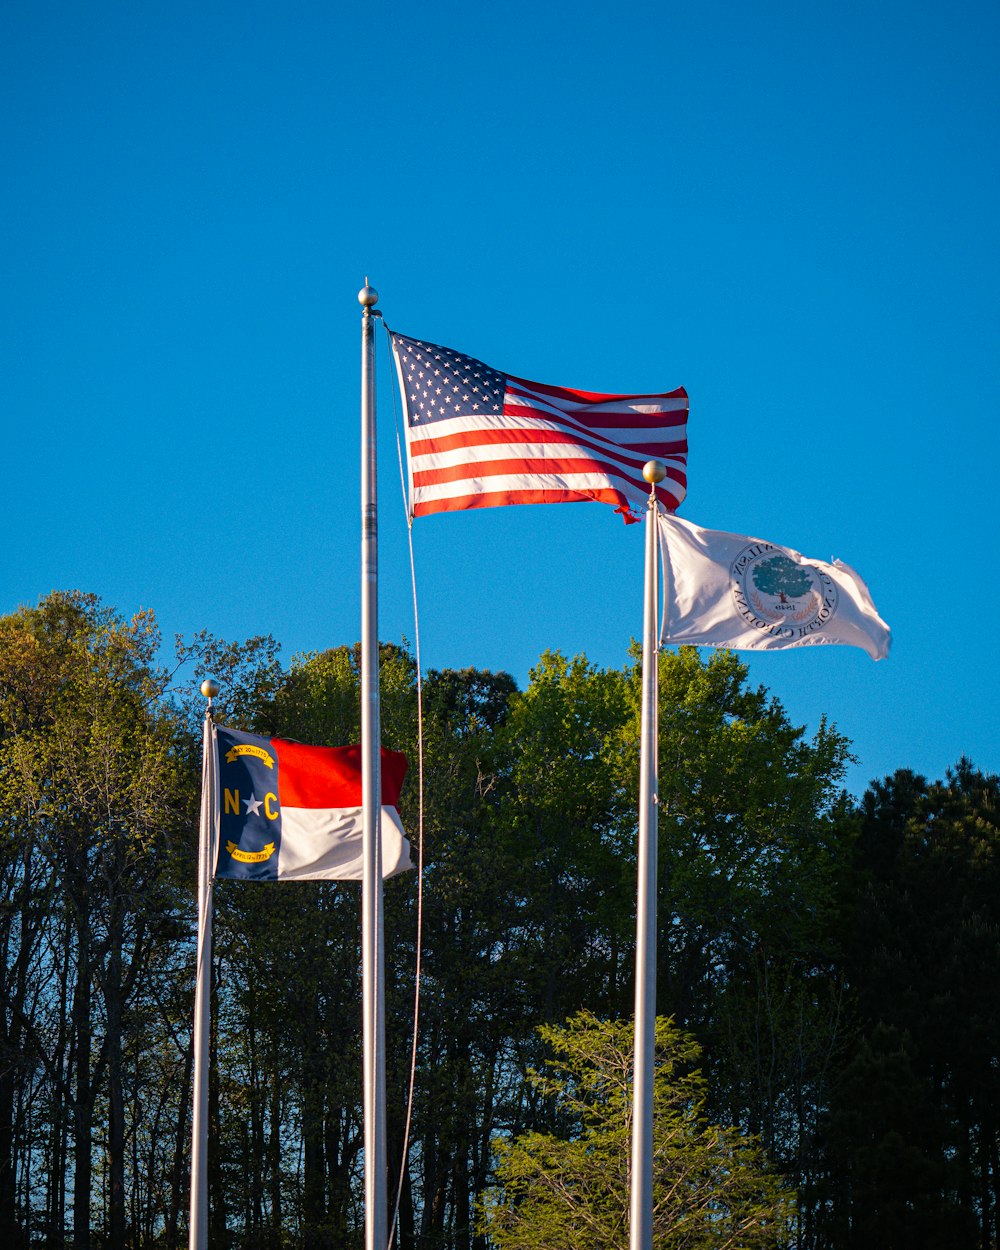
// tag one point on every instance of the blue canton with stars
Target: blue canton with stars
(440, 383)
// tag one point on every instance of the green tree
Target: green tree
(569, 822)
(891, 1182)
(912, 1144)
(568, 1189)
(781, 576)
(528, 916)
(95, 778)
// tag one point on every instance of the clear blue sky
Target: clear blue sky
(790, 209)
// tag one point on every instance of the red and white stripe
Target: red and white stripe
(550, 445)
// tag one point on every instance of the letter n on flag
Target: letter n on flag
(291, 812)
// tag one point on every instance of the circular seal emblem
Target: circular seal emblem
(782, 596)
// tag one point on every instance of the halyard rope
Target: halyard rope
(420, 817)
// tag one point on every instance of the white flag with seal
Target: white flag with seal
(728, 590)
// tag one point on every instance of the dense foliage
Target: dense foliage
(567, 1188)
(833, 961)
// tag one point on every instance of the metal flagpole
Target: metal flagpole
(198, 1224)
(372, 955)
(641, 1197)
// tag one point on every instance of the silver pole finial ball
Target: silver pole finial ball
(209, 688)
(653, 471)
(368, 296)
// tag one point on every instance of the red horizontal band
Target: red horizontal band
(325, 777)
(489, 436)
(568, 395)
(495, 499)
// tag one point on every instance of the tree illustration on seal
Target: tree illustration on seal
(782, 577)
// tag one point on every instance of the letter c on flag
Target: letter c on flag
(267, 806)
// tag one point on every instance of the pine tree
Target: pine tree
(568, 1188)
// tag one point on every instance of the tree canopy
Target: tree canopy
(779, 575)
(832, 959)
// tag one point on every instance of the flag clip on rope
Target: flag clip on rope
(291, 812)
(479, 438)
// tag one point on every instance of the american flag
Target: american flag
(478, 438)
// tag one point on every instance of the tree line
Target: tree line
(833, 963)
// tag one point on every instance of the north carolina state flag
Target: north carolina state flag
(291, 812)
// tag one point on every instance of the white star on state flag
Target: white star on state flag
(252, 804)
